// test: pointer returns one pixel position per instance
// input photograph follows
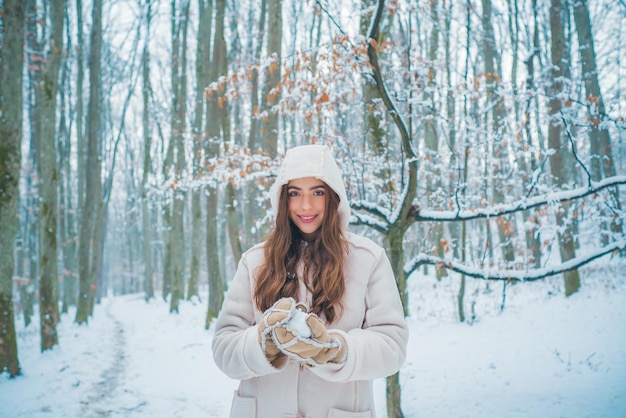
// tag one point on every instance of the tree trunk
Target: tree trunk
(11, 84)
(455, 227)
(215, 130)
(49, 175)
(233, 222)
(179, 89)
(31, 229)
(93, 183)
(499, 186)
(533, 238)
(397, 229)
(97, 252)
(374, 130)
(602, 163)
(431, 138)
(203, 63)
(146, 224)
(168, 163)
(81, 146)
(396, 257)
(271, 89)
(216, 282)
(561, 159)
(67, 217)
(253, 137)
(251, 208)
(196, 244)
(533, 247)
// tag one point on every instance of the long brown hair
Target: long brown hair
(323, 259)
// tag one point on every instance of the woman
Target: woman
(313, 314)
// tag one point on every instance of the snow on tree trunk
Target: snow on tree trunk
(271, 90)
(561, 157)
(602, 163)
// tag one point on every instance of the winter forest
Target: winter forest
(482, 143)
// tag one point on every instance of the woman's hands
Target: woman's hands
(278, 314)
(320, 348)
(287, 329)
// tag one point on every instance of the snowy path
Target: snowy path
(101, 395)
(132, 360)
(162, 364)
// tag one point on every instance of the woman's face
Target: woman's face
(307, 203)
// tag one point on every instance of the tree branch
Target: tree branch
(372, 209)
(402, 214)
(574, 151)
(506, 209)
(372, 53)
(516, 275)
(360, 219)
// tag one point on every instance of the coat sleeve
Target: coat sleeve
(378, 348)
(236, 348)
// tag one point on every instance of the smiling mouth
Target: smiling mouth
(307, 219)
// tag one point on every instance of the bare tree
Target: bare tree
(146, 92)
(49, 174)
(215, 130)
(176, 151)
(395, 228)
(602, 162)
(203, 61)
(271, 89)
(11, 84)
(500, 154)
(562, 158)
(93, 197)
(67, 214)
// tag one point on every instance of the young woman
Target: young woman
(313, 313)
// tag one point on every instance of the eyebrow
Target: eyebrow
(319, 186)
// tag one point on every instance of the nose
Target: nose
(306, 202)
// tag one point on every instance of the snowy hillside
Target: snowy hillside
(543, 356)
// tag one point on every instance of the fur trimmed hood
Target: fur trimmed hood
(312, 161)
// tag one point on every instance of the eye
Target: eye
(293, 193)
(319, 192)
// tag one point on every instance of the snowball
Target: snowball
(297, 324)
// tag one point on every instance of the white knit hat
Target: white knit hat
(312, 161)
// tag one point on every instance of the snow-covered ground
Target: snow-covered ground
(543, 356)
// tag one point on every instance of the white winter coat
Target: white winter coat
(372, 324)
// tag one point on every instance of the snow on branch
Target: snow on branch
(508, 208)
(372, 209)
(527, 275)
(367, 220)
